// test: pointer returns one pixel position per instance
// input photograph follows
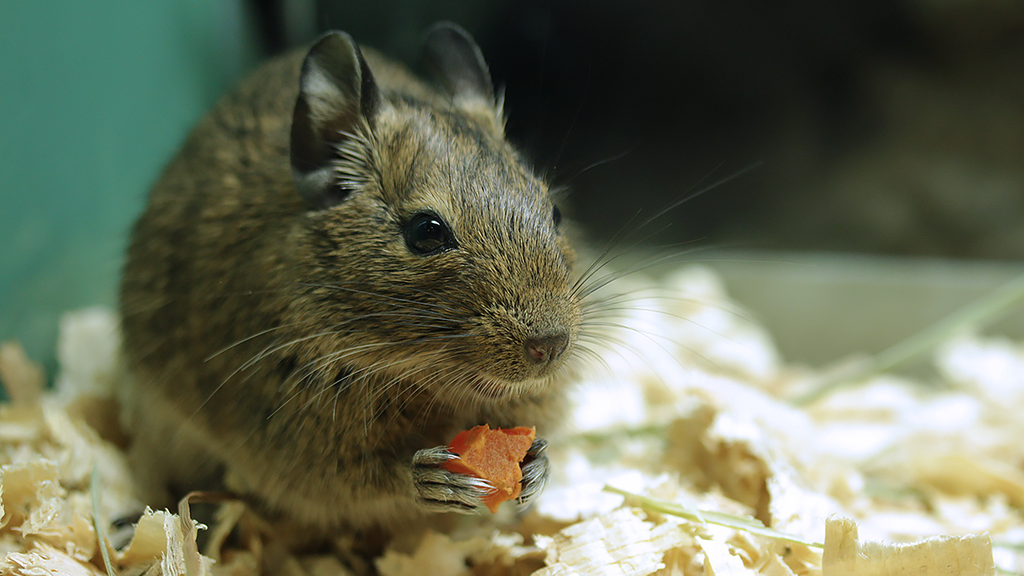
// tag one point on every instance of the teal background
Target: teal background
(95, 97)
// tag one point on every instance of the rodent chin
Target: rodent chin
(487, 388)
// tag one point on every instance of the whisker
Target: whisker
(248, 338)
(385, 297)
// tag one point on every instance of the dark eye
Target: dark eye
(556, 215)
(427, 234)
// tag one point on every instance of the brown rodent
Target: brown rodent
(340, 270)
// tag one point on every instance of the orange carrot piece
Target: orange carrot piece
(493, 455)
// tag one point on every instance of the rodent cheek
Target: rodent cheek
(502, 334)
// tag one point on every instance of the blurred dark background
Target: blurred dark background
(874, 126)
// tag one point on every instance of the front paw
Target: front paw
(535, 472)
(440, 490)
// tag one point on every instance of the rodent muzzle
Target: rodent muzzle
(545, 349)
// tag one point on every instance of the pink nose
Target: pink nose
(542, 349)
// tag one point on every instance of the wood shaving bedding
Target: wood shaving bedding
(891, 477)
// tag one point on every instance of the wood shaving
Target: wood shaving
(941, 555)
(620, 542)
(930, 477)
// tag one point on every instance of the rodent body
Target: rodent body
(340, 270)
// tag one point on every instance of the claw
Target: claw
(432, 456)
(535, 473)
(440, 490)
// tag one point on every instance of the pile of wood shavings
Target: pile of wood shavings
(891, 477)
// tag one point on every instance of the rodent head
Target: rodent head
(435, 255)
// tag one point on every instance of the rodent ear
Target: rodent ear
(337, 99)
(454, 58)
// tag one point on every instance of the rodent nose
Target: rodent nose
(543, 349)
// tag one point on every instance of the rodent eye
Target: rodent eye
(556, 215)
(427, 234)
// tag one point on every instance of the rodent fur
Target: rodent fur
(288, 344)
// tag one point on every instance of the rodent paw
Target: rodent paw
(535, 473)
(439, 490)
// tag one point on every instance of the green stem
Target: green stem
(746, 523)
(101, 538)
(977, 313)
